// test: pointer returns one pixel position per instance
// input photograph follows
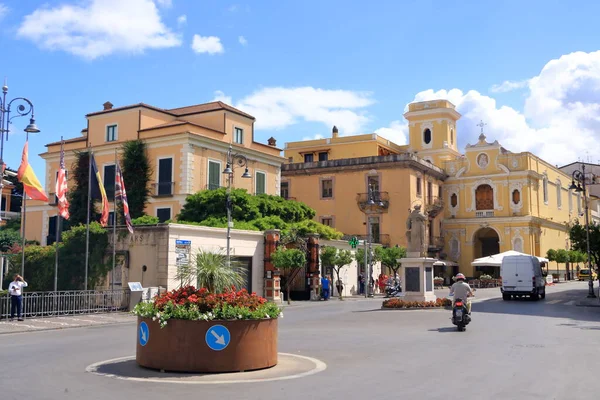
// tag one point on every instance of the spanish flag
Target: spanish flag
(98, 191)
(25, 174)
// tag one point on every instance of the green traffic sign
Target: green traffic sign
(353, 242)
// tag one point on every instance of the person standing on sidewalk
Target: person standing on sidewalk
(15, 289)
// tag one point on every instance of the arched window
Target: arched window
(484, 198)
(453, 200)
(516, 196)
(559, 194)
(427, 136)
(518, 244)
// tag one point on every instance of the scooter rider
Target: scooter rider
(462, 290)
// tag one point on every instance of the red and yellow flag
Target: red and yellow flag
(25, 174)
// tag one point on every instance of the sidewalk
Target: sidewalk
(65, 322)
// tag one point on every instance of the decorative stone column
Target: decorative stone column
(313, 264)
(272, 280)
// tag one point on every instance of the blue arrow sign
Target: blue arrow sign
(183, 242)
(144, 334)
(217, 337)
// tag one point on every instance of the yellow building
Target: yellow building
(493, 200)
(187, 148)
(334, 175)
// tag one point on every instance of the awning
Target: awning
(496, 259)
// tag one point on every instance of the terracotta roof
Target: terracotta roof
(74, 140)
(178, 122)
(206, 107)
(127, 108)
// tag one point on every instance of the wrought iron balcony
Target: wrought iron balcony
(434, 205)
(163, 189)
(379, 202)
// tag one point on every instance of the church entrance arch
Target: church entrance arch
(486, 242)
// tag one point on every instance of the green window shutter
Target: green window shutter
(214, 175)
(260, 183)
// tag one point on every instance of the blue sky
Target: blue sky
(531, 69)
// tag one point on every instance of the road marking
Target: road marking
(553, 301)
(25, 325)
(319, 366)
(55, 322)
(570, 303)
(85, 320)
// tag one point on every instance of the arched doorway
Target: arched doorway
(486, 242)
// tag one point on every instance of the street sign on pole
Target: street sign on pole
(353, 242)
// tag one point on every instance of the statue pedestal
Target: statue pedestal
(417, 278)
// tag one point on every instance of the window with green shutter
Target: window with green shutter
(214, 175)
(261, 183)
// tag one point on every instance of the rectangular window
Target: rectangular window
(429, 192)
(165, 177)
(375, 229)
(109, 181)
(238, 135)
(373, 183)
(261, 183)
(291, 159)
(559, 194)
(308, 157)
(285, 190)
(111, 133)
(163, 214)
(111, 218)
(328, 221)
(323, 156)
(327, 188)
(214, 175)
(439, 191)
(419, 190)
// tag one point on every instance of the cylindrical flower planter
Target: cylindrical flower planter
(207, 346)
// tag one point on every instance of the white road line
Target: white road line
(570, 303)
(21, 325)
(55, 322)
(553, 301)
(85, 320)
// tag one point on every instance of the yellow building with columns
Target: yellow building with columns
(187, 148)
(493, 200)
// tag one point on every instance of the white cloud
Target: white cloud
(3, 10)
(233, 8)
(220, 96)
(279, 107)
(99, 28)
(181, 20)
(165, 3)
(242, 40)
(207, 44)
(509, 86)
(397, 132)
(561, 118)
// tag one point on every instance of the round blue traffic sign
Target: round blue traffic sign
(144, 333)
(217, 337)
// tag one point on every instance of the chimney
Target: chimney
(334, 132)
(108, 105)
(272, 142)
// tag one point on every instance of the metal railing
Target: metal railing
(68, 302)
(484, 214)
(10, 215)
(163, 189)
(380, 201)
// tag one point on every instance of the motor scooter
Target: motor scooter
(460, 316)
(393, 290)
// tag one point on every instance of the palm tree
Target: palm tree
(210, 271)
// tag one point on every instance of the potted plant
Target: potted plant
(216, 328)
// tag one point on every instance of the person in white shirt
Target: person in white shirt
(15, 289)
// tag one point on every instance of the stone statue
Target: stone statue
(416, 224)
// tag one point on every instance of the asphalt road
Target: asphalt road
(511, 350)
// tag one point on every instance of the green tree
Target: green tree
(210, 271)
(551, 256)
(291, 261)
(250, 212)
(78, 192)
(341, 259)
(562, 257)
(8, 238)
(137, 174)
(389, 257)
(577, 235)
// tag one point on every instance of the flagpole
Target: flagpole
(24, 221)
(57, 228)
(114, 252)
(87, 230)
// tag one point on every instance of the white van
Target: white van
(522, 276)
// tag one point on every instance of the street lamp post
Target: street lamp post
(234, 160)
(579, 176)
(374, 205)
(24, 107)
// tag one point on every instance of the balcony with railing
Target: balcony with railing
(163, 189)
(377, 203)
(7, 215)
(484, 213)
(433, 206)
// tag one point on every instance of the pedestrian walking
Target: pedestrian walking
(325, 285)
(15, 289)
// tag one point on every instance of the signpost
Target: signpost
(217, 337)
(144, 333)
(182, 249)
(353, 242)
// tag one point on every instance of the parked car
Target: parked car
(584, 275)
(522, 276)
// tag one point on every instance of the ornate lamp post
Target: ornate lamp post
(234, 160)
(374, 205)
(579, 177)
